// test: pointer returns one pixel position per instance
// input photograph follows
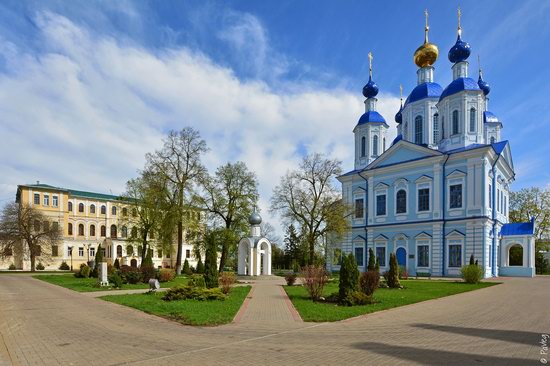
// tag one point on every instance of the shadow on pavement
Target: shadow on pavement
(515, 336)
(437, 357)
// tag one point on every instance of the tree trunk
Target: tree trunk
(180, 247)
(223, 258)
(311, 250)
(33, 262)
(144, 248)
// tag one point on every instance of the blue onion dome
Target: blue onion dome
(255, 219)
(399, 116)
(483, 85)
(460, 51)
(370, 90)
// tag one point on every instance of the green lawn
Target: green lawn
(87, 284)
(414, 291)
(191, 312)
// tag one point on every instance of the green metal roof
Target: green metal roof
(75, 193)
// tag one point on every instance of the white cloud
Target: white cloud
(84, 113)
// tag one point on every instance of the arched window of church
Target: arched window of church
(383, 144)
(363, 143)
(472, 120)
(418, 130)
(375, 145)
(401, 202)
(492, 139)
(442, 127)
(436, 128)
(455, 123)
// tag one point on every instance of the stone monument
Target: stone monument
(254, 251)
(102, 275)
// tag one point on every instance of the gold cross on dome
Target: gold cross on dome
(459, 15)
(426, 14)
(401, 91)
(370, 64)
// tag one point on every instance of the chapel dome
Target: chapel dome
(370, 90)
(426, 55)
(483, 85)
(460, 51)
(255, 219)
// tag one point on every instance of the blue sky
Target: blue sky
(89, 87)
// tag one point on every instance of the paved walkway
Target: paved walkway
(43, 324)
(268, 306)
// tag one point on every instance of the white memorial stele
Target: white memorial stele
(103, 280)
(254, 251)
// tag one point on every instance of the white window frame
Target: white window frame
(455, 178)
(357, 245)
(355, 199)
(91, 250)
(422, 183)
(81, 251)
(400, 184)
(382, 244)
(46, 200)
(424, 241)
(34, 198)
(380, 191)
(55, 201)
(454, 240)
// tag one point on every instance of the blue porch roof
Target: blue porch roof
(518, 228)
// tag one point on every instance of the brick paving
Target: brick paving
(43, 324)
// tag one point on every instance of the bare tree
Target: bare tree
(179, 164)
(25, 229)
(229, 196)
(269, 232)
(308, 197)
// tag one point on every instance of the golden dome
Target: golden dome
(426, 55)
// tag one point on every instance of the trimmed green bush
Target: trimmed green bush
(393, 274)
(116, 280)
(186, 269)
(64, 266)
(40, 266)
(349, 278)
(84, 271)
(197, 280)
(472, 261)
(377, 265)
(211, 261)
(148, 261)
(97, 261)
(369, 282)
(130, 275)
(372, 261)
(472, 273)
(200, 267)
(13, 268)
(355, 298)
(117, 264)
(195, 293)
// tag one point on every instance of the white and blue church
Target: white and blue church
(439, 192)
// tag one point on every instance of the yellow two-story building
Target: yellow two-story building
(86, 220)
